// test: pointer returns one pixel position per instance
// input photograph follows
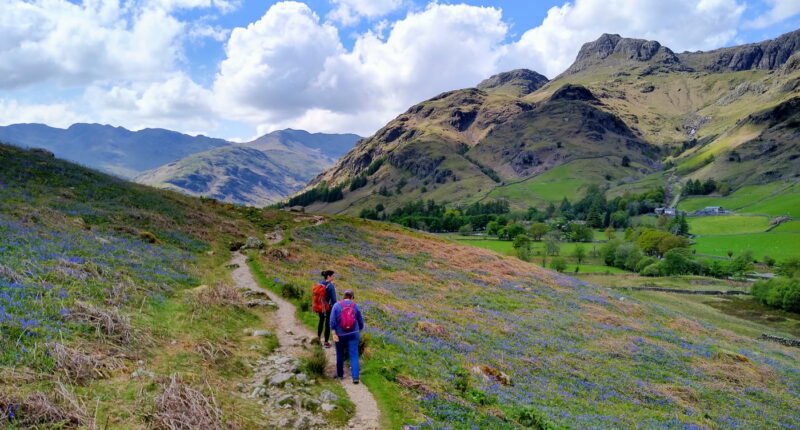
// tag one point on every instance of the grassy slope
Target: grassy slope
(577, 356)
(69, 234)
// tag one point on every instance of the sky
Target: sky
(237, 69)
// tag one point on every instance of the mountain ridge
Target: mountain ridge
(643, 114)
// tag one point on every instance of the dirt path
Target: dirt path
(291, 332)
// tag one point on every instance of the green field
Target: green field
(788, 226)
(788, 204)
(778, 245)
(727, 224)
(568, 180)
(740, 199)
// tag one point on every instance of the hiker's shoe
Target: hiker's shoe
(327, 345)
(355, 381)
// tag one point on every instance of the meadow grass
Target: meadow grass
(778, 245)
(727, 224)
(435, 309)
(791, 226)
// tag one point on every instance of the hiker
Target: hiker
(347, 323)
(323, 298)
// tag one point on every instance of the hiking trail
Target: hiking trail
(292, 336)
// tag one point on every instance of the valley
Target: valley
(616, 247)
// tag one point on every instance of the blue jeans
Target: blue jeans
(347, 343)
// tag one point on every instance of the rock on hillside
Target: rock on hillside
(518, 82)
(766, 55)
(614, 50)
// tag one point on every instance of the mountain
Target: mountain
(114, 150)
(627, 115)
(256, 173)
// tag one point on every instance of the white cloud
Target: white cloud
(678, 24)
(290, 68)
(56, 114)
(73, 45)
(223, 6)
(177, 103)
(780, 10)
(349, 12)
(273, 66)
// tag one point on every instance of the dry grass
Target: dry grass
(220, 295)
(687, 326)
(731, 371)
(61, 409)
(181, 407)
(107, 322)
(681, 395)
(433, 329)
(79, 366)
(214, 351)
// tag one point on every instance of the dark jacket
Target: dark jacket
(336, 314)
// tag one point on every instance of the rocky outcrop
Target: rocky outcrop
(573, 92)
(520, 81)
(613, 49)
(766, 55)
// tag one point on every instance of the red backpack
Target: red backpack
(348, 317)
(318, 301)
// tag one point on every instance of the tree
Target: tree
(579, 254)
(594, 219)
(648, 241)
(679, 226)
(620, 219)
(742, 264)
(790, 267)
(626, 161)
(537, 230)
(628, 234)
(522, 245)
(558, 264)
(609, 232)
(730, 254)
(671, 241)
(493, 227)
(465, 229)
(580, 233)
(515, 230)
(551, 243)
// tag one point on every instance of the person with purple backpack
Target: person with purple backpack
(347, 323)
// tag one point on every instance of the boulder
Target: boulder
(279, 379)
(326, 396)
(253, 243)
(327, 407)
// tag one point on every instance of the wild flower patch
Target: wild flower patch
(48, 270)
(462, 309)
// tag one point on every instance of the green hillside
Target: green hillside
(627, 115)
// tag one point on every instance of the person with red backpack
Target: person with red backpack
(323, 297)
(347, 323)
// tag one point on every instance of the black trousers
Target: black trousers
(324, 321)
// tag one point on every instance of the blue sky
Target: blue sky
(239, 68)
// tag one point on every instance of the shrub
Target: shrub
(790, 267)
(315, 363)
(461, 380)
(558, 264)
(652, 270)
(290, 291)
(781, 293)
(644, 262)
